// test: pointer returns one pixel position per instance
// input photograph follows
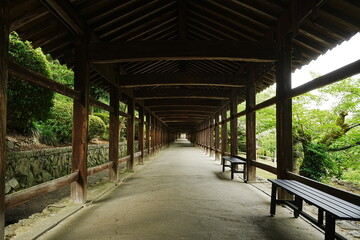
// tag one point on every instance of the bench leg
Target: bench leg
(223, 164)
(245, 173)
(299, 205)
(329, 226)
(320, 216)
(273, 200)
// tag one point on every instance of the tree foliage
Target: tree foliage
(27, 103)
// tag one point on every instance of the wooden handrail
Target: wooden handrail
(25, 195)
(96, 169)
(264, 166)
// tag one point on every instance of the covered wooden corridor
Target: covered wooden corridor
(182, 194)
(180, 67)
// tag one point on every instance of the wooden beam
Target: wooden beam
(28, 75)
(114, 133)
(251, 126)
(223, 132)
(148, 133)
(27, 18)
(100, 105)
(203, 103)
(181, 78)
(284, 112)
(329, 78)
(4, 43)
(124, 51)
(182, 93)
(141, 135)
(68, 15)
(233, 126)
(190, 108)
(130, 137)
(80, 123)
(25, 195)
(217, 137)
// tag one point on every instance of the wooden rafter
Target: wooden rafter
(181, 50)
(181, 93)
(181, 78)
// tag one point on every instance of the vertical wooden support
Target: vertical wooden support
(148, 133)
(217, 139)
(114, 134)
(141, 134)
(233, 126)
(153, 134)
(4, 43)
(130, 134)
(284, 111)
(250, 126)
(223, 132)
(80, 121)
(211, 136)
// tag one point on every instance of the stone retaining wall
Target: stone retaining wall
(28, 168)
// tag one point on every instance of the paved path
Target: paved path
(182, 194)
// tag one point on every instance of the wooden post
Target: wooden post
(223, 132)
(130, 134)
(284, 111)
(80, 121)
(153, 134)
(4, 43)
(148, 133)
(141, 134)
(233, 126)
(250, 126)
(114, 134)
(211, 136)
(217, 139)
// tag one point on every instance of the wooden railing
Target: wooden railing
(17, 198)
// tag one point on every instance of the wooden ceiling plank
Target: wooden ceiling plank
(181, 50)
(181, 78)
(28, 18)
(171, 93)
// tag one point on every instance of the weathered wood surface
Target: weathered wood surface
(99, 168)
(26, 74)
(181, 93)
(181, 79)
(130, 137)
(233, 126)
(18, 198)
(80, 123)
(223, 132)
(123, 51)
(141, 135)
(4, 43)
(251, 126)
(114, 128)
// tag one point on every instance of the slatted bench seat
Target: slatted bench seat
(334, 207)
(234, 162)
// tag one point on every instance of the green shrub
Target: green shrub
(96, 127)
(104, 116)
(45, 134)
(27, 103)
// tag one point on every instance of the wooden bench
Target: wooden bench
(234, 162)
(334, 207)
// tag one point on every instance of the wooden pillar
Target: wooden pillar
(223, 131)
(212, 136)
(4, 43)
(80, 121)
(233, 126)
(114, 134)
(130, 134)
(284, 111)
(141, 134)
(217, 139)
(148, 133)
(153, 134)
(250, 126)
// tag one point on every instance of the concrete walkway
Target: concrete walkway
(182, 194)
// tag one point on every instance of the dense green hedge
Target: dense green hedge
(27, 103)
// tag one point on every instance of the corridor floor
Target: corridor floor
(182, 194)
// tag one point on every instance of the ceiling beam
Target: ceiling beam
(182, 78)
(169, 93)
(203, 103)
(127, 51)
